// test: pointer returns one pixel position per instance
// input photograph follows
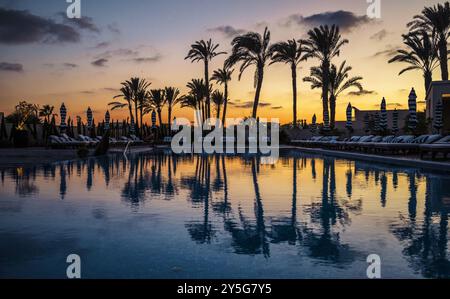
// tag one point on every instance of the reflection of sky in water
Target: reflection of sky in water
(161, 216)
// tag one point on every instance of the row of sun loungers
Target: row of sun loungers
(64, 141)
(406, 144)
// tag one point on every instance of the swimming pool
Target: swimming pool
(166, 216)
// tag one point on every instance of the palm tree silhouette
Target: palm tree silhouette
(158, 100)
(137, 85)
(251, 49)
(324, 43)
(218, 99)
(172, 99)
(127, 95)
(436, 19)
(204, 51)
(422, 54)
(223, 76)
(339, 81)
(291, 53)
(198, 91)
(46, 111)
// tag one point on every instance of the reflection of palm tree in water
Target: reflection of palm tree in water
(201, 232)
(283, 229)
(426, 247)
(63, 183)
(248, 237)
(319, 239)
(383, 192)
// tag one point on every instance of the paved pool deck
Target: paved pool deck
(406, 161)
(36, 156)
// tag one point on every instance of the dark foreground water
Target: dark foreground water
(164, 216)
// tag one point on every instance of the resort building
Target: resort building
(360, 119)
(439, 91)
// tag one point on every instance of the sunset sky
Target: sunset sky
(48, 59)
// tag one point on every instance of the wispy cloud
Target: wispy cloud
(100, 62)
(346, 20)
(363, 92)
(227, 30)
(380, 35)
(22, 27)
(11, 67)
(148, 59)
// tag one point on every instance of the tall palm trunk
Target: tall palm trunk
(136, 125)
(141, 112)
(332, 110)
(325, 83)
(225, 102)
(443, 56)
(428, 76)
(169, 118)
(208, 102)
(218, 110)
(131, 112)
(258, 90)
(160, 119)
(294, 92)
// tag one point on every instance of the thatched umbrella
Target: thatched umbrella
(349, 123)
(153, 119)
(395, 122)
(132, 127)
(376, 120)
(412, 104)
(437, 122)
(314, 123)
(79, 125)
(383, 117)
(89, 118)
(326, 121)
(107, 120)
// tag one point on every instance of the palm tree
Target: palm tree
(143, 98)
(339, 81)
(422, 54)
(204, 51)
(291, 53)
(172, 98)
(127, 95)
(218, 99)
(46, 111)
(198, 89)
(324, 43)
(251, 49)
(137, 85)
(436, 20)
(223, 76)
(158, 100)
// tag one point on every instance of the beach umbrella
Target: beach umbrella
(89, 118)
(63, 114)
(438, 116)
(314, 123)
(349, 124)
(395, 122)
(326, 121)
(153, 119)
(132, 127)
(383, 117)
(107, 120)
(412, 104)
(367, 122)
(376, 120)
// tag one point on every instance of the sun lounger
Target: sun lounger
(441, 146)
(406, 144)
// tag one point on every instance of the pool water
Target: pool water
(167, 216)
